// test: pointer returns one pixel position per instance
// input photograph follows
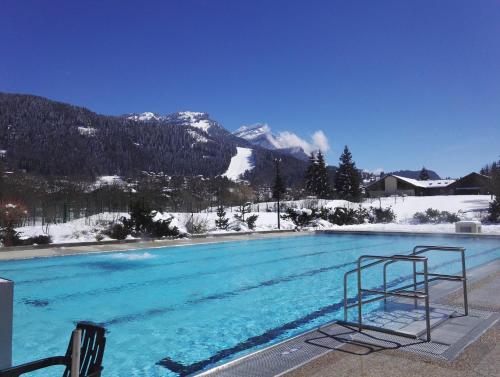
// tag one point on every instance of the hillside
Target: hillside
(49, 138)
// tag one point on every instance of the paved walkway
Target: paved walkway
(481, 358)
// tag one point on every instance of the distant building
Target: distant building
(473, 183)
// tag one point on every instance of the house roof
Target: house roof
(484, 179)
(430, 183)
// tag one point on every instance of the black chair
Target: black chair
(92, 343)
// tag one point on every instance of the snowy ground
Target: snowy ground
(467, 206)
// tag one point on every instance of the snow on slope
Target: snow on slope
(259, 134)
(196, 119)
(146, 116)
(239, 164)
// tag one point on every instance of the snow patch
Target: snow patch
(87, 131)
(109, 180)
(143, 117)
(197, 137)
(194, 119)
(239, 164)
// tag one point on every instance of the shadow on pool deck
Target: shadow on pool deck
(461, 345)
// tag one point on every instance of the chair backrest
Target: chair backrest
(92, 342)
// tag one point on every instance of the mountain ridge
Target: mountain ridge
(260, 135)
(77, 141)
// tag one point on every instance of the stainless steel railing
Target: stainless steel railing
(420, 249)
(413, 258)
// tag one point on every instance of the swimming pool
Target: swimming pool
(180, 310)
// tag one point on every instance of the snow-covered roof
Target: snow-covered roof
(430, 183)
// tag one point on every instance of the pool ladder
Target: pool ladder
(415, 258)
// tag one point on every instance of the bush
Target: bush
(435, 216)
(300, 217)
(117, 231)
(251, 220)
(382, 215)
(345, 216)
(10, 237)
(196, 225)
(162, 228)
(142, 224)
(494, 211)
(141, 218)
(39, 240)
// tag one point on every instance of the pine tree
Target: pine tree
(1, 180)
(242, 211)
(347, 179)
(311, 174)
(424, 174)
(322, 186)
(495, 179)
(222, 222)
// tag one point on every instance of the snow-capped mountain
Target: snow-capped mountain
(180, 144)
(143, 117)
(261, 135)
(194, 119)
(258, 134)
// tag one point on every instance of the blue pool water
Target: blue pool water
(179, 310)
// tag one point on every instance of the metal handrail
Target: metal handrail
(413, 294)
(420, 249)
(414, 258)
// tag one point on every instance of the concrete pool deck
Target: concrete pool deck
(461, 346)
(63, 249)
(21, 252)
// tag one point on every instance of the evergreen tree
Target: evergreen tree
(347, 179)
(322, 185)
(495, 179)
(424, 174)
(1, 180)
(311, 174)
(242, 211)
(222, 222)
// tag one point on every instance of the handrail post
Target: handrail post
(415, 304)
(427, 310)
(464, 276)
(415, 281)
(360, 303)
(345, 296)
(385, 285)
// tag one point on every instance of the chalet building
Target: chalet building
(473, 183)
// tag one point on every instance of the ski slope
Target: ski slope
(239, 164)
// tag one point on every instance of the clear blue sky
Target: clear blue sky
(403, 83)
